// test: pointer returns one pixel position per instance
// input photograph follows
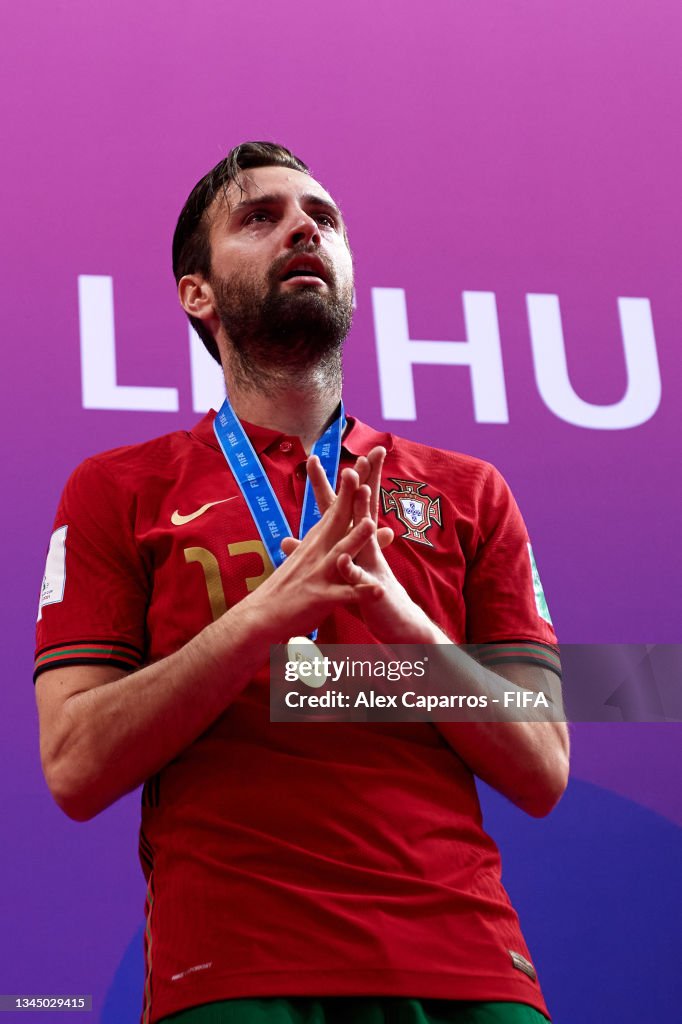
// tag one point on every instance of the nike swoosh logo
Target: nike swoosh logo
(179, 520)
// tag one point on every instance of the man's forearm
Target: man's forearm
(525, 759)
(114, 736)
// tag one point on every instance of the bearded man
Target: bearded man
(334, 872)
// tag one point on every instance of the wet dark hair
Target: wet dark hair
(191, 248)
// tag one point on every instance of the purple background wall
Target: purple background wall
(506, 148)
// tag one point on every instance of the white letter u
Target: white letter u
(643, 393)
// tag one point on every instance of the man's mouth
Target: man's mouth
(305, 268)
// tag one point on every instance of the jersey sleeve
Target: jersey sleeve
(95, 589)
(507, 614)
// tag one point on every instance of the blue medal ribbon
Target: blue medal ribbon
(258, 492)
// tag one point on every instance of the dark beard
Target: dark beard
(286, 332)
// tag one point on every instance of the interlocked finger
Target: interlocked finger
(337, 518)
(361, 503)
(361, 581)
(376, 460)
(324, 495)
(352, 543)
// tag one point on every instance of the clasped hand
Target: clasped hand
(341, 560)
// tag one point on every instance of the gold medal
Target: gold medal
(308, 659)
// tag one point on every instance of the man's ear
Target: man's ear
(196, 297)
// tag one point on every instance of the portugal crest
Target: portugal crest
(418, 512)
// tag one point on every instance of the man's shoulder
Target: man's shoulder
(155, 452)
(446, 466)
(134, 468)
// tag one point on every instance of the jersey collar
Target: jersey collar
(358, 438)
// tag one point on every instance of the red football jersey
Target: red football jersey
(339, 858)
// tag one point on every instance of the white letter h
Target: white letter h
(397, 353)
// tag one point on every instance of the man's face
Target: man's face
(281, 270)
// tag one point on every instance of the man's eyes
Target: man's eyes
(263, 216)
(257, 216)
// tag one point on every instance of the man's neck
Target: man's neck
(299, 403)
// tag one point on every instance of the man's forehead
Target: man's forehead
(272, 181)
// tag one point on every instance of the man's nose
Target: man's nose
(304, 229)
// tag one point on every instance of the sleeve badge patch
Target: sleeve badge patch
(417, 512)
(540, 599)
(54, 580)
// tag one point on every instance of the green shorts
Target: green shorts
(356, 1010)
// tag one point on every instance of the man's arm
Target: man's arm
(102, 732)
(525, 760)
